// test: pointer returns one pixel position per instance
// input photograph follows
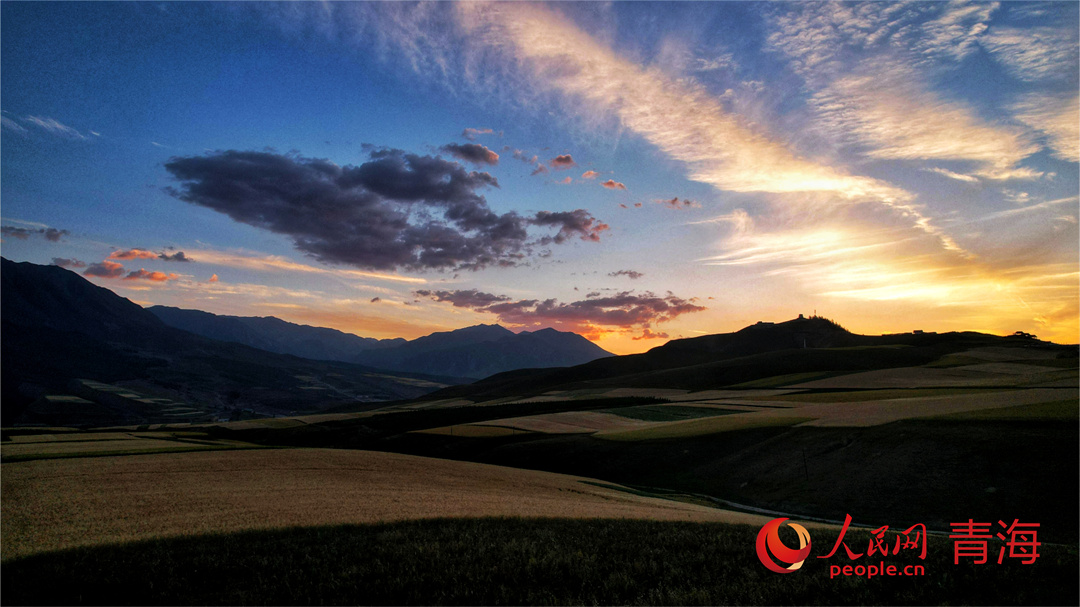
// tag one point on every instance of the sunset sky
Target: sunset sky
(633, 172)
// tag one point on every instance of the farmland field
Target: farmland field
(62, 503)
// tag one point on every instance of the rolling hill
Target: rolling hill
(802, 348)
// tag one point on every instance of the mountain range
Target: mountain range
(473, 352)
(75, 353)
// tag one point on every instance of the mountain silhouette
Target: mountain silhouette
(272, 334)
(471, 352)
(763, 350)
(61, 333)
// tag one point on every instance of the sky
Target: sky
(634, 172)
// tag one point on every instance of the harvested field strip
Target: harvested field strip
(711, 395)
(927, 377)
(76, 437)
(850, 396)
(22, 452)
(741, 405)
(873, 413)
(1062, 410)
(709, 425)
(667, 413)
(782, 380)
(754, 405)
(473, 431)
(486, 561)
(1007, 368)
(56, 504)
(569, 422)
(68, 447)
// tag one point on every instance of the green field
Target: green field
(515, 562)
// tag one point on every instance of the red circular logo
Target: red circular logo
(768, 540)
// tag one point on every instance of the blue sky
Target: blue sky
(662, 170)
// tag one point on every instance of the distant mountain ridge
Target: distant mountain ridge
(61, 333)
(272, 334)
(802, 346)
(474, 352)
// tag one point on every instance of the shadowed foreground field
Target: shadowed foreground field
(512, 561)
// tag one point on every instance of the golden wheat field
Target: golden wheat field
(61, 503)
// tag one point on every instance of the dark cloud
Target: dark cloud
(398, 210)
(143, 274)
(50, 234)
(177, 256)
(624, 311)
(539, 170)
(563, 161)
(471, 152)
(105, 269)
(471, 134)
(68, 263)
(471, 298)
(679, 203)
(570, 223)
(611, 184)
(631, 274)
(376, 299)
(53, 235)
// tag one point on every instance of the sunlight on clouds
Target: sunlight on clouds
(1035, 53)
(886, 110)
(680, 119)
(1058, 119)
(864, 267)
(276, 263)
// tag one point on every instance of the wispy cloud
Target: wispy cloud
(953, 175)
(681, 119)
(1070, 202)
(54, 127)
(1035, 53)
(274, 263)
(886, 111)
(1056, 117)
(8, 124)
(471, 133)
